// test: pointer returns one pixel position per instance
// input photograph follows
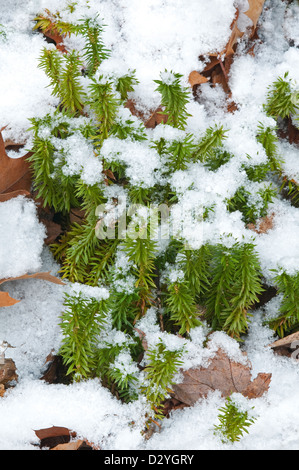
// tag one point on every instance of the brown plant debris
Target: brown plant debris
(221, 374)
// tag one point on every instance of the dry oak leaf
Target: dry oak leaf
(53, 231)
(222, 374)
(157, 116)
(72, 445)
(264, 224)
(7, 372)
(51, 437)
(15, 173)
(7, 301)
(287, 346)
(7, 196)
(253, 13)
(195, 78)
(62, 438)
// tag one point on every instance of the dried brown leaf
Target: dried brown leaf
(7, 301)
(45, 276)
(254, 11)
(62, 438)
(73, 445)
(264, 224)
(7, 196)
(53, 436)
(53, 231)
(15, 173)
(7, 372)
(157, 116)
(142, 337)
(222, 374)
(195, 78)
(287, 346)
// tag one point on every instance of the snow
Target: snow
(148, 37)
(21, 238)
(132, 155)
(79, 159)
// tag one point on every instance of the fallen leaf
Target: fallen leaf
(195, 78)
(53, 231)
(142, 337)
(12, 144)
(7, 301)
(15, 173)
(7, 372)
(221, 61)
(7, 196)
(58, 39)
(157, 116)
(254, 11)
(45, 276)
(73, 445)
(264, 224)
(287, 346)
(55, 370)
(62, 438)
(77, 216)
(51, 437)
(222, 374)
